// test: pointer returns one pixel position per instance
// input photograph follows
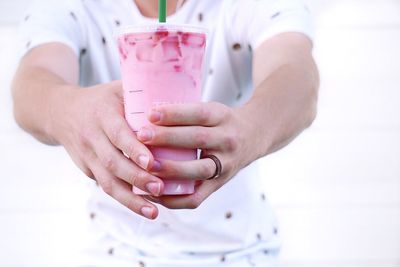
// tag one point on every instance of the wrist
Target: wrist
(60, 112)
(255, 133)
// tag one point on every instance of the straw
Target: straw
(162, 11)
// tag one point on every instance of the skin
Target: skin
(150, 8)
(89, 122)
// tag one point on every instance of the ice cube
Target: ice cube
(197, 61)
(122, 52)
(193, 39)
(171, 49)
(130, 39)
(141, 36)
(160, 35)
(144, 52)
(158, 53)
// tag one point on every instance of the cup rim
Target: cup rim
(145, 28)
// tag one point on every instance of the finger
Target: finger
(122, 137)
(205, 114)
(118, 165)
(190, 137)
(201, 169)
(203, 190)
(122, 192)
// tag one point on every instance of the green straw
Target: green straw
(162, 11)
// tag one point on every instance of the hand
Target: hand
(91, 126)
(212, 127)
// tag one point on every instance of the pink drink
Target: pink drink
(161, 65)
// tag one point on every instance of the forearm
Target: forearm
(36, 92)
(42, 85)
(283, 104)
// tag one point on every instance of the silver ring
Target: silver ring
(218, 166)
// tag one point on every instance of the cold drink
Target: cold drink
(162, 65)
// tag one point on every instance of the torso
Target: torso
(237, 216)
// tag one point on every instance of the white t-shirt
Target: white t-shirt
(235, 220)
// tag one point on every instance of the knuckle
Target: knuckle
(132, 179)
(132, 205)
(107, 186)
(201, 138)
(137, 178)
(131, 151)
(141, 175)
(109, 163)
(203, 115)
(84, 137)
(231, 142)
(115, 133)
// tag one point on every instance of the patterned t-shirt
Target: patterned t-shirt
(234, 221)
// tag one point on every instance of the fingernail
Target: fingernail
(145, 134)
(143, 161)
(155, 116)
(154, 188)
(156, 166)
(147, 212)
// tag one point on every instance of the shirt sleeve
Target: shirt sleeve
(49, 21)
(254, 21)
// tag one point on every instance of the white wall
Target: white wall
(10, 10)
(336, 188)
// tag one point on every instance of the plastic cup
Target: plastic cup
(160, 65)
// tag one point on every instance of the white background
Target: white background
(336, 188)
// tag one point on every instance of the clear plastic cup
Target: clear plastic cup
(160, 65)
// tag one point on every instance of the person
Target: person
(260, 91)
